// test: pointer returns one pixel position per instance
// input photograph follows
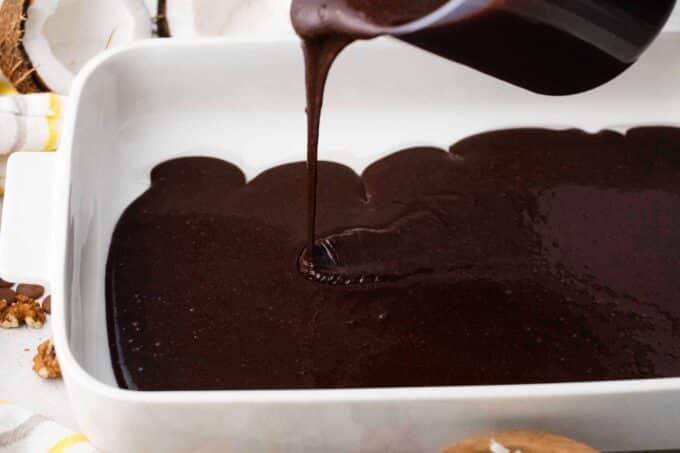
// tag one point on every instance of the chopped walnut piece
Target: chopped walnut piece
(7, 319)
(24, 310)
(45, 363)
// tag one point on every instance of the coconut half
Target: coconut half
(201, 18)
(44, 43)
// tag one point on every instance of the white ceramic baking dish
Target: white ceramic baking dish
(239, 100)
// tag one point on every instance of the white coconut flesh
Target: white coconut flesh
(60, 36)
(197, 18)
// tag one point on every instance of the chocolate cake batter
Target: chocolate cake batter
(520, 256)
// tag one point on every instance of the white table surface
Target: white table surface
(18, 383)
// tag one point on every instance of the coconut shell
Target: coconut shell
(14, 60)
(162, 25)
(524, 441)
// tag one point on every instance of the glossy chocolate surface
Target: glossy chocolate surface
(521, 256)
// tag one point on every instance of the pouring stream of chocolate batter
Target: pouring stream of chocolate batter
(326, 28)
(550, 46)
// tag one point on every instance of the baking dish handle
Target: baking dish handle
(26, 228)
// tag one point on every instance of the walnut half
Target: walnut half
(45, 363)
(7, 319)
(23, 311)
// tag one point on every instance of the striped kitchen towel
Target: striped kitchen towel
(28, 133)
(30, 122)
(36, 104)
(22, 431)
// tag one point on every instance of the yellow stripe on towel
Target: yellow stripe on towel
(52, 134)
(66, 442)
(55, 105)
(3, 402)
(52, 130)
(7, 88)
